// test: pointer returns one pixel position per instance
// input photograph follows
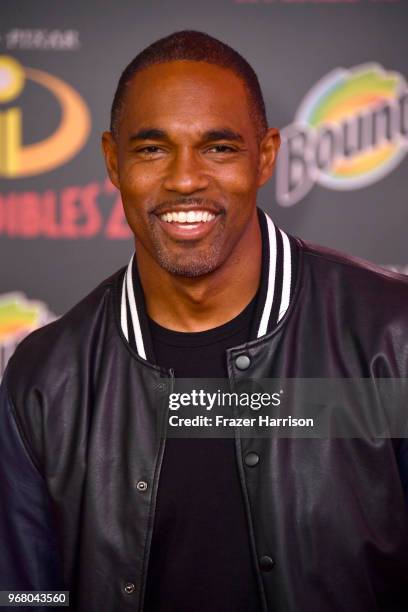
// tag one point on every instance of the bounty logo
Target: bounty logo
(350, 131)
(18, 160)
(18, 317)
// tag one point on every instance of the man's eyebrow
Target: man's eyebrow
(223, 134)
(149, 134)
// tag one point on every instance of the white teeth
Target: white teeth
(192, 216)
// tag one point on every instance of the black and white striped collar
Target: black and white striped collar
(279, 270)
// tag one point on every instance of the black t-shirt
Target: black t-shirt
(200, 556)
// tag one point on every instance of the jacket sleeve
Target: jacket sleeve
(29, 558)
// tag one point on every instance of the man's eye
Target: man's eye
(151, 149)
(222, 149)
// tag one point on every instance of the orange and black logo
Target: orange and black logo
(18, 160)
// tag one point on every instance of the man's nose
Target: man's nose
(186, 173)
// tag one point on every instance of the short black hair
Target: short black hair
(195, 46)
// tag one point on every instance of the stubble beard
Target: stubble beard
(191, 260)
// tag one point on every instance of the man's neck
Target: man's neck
(197, 304)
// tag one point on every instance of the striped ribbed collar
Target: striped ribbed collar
(279, 270)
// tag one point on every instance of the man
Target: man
(98, 499)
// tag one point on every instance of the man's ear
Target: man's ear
(109, 149)
(268, 151)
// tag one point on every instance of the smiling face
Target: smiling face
(188, 165)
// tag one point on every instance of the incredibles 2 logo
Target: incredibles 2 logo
(74, 212)
(350, 131)
(19, 160)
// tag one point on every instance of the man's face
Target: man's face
(188, 164)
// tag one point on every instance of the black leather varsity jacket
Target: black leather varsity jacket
(83, 430)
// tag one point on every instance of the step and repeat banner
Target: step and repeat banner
(334, 76)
